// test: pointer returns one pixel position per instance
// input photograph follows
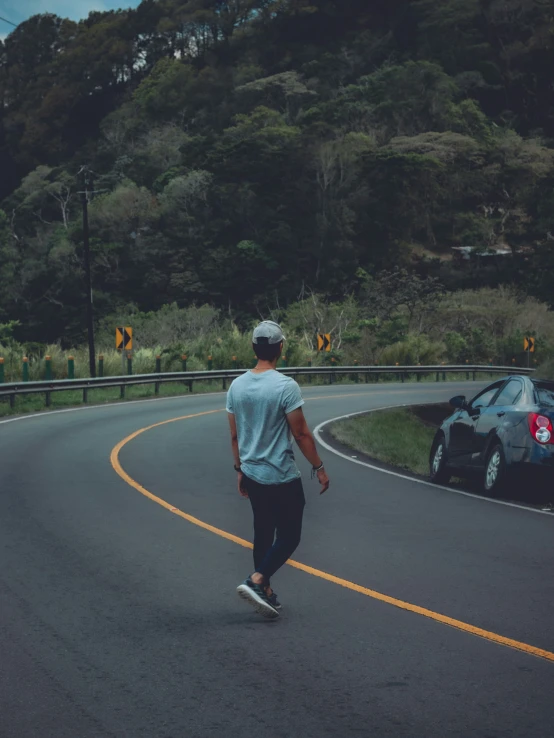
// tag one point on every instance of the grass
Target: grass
(35, 403)
(396, 437)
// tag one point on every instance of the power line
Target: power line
(7, 21)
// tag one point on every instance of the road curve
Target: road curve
(119, 618)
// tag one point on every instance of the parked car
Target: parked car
(503, 431)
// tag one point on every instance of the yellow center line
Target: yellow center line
(444, 619)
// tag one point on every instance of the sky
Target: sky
(17, 11)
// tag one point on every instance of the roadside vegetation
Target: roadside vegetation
(401, 437)
(397, 319)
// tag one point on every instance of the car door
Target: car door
(495, 415)
(463, 427)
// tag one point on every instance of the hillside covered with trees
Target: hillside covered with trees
(249, 153)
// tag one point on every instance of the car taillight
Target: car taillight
(541, 428)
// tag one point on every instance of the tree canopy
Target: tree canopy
(246, 151)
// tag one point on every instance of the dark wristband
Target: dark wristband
(237, 468)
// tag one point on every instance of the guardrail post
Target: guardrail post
(85, 395)
(129, 364)
(101, 365)
(1, 370)
(122, 392)
(48, 377)
(438, 377)
(210, 363)
(70, 367)
(25, 369)
(474, 376)
(158, 371)
(224, 384)
(443, 375)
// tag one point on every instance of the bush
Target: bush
(545, 370)
(412, 351)
(457, 348)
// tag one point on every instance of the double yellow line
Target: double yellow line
(444, 619)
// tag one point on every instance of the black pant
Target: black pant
(278, 509)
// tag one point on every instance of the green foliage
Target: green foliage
(165, 91)
(411, 351)
(395, 437)
(407, 99)
(457, 347)
(250, 152)
(546, 370)
(7, 330)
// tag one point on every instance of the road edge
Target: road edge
(318, 434)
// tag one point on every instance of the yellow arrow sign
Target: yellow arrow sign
(324, 342)
(124, 338)
(529, 344)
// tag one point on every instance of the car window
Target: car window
(484, 399)
(510, 394)
(545, 395)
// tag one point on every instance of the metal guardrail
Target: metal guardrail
(11, 390)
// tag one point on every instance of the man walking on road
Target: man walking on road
(265, 412)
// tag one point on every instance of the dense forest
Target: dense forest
(251, 153)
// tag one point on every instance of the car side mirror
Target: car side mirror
(459, 402)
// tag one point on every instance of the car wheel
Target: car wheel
(438, 462)
(495, 471)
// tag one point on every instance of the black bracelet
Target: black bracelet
(316, 469)
(237, 468)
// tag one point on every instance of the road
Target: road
(119, 617)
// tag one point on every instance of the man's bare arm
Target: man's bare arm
(303, 436)
(306, 443)
(234, 438)
(235, 446)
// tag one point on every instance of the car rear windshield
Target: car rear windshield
(545, 393)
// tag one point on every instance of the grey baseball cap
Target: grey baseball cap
(268, 332)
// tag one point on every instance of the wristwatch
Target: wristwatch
(318, 468)
(237, 468)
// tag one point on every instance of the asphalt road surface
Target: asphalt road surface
(119, 617)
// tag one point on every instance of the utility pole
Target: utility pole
(87, 191)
